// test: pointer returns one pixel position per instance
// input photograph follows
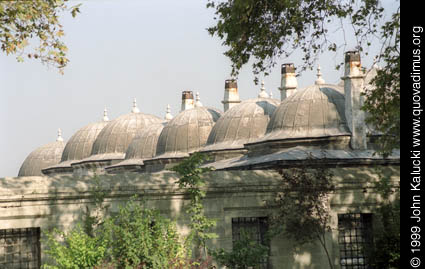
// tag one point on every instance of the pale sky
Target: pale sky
(150, 50)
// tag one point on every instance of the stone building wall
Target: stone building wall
(49, 202)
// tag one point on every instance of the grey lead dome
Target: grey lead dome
(315, 111)
(114, 139)
(80, 144)
(40, 158)
(78, 147)
(141, 148)
(187, 132)
(242, 123)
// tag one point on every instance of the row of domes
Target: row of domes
(315, 111)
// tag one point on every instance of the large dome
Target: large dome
(241, 124)
(114, 139)
(141, 148)
(313, 112)
(42, 157)
(187, 132)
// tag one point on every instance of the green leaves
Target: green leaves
(302, 209)
(134, 238)
(190, 172)
(246, 252)
(382, 102)
(75, 249)
(35, 21)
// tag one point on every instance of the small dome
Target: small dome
(241, 124)
(141, 148)
(42, 157)
(114, 139)
(80, 144)
(78, 147)
(315, 111)
(187, 132)
(144, 144)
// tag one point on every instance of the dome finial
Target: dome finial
(198, 100)
(105, 115)
(319, 79)
(59, 135)
(135, 109)
(168, 115)
(263, 93)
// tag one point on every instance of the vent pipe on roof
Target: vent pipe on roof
(187, 100)
(231, 94)
(289, 82)
(353, 88)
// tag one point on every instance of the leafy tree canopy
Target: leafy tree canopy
(22, 22)
(265, 30)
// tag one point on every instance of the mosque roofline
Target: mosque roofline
(300, 154)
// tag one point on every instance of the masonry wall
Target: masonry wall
(49, 202)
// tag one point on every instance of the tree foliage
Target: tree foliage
(265, 30)
(74, 250)
(25, 22)
(386, 250)
(135, 238)
(190, 172)
(382, 101)
(246, 252)
(302, 209)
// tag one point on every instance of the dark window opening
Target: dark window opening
(355, 240)
(256, 228)
(20, 248)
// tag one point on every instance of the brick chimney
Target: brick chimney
(231, 94)
(187, 100)
(289, 83)
(353, 88)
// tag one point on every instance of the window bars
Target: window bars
(355, 240)
(20, 248)
(256, 228)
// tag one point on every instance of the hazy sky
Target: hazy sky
(151, 50)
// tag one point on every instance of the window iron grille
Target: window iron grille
(20, 248)
(355, 240)
(256, 228)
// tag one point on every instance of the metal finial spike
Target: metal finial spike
(168, 115)
(263, 93)
(319, 79)
(59, 135)
(271, 94)
(198, 100)
(135, 108)
(105, 115)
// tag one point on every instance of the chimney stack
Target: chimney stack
(289, 83)
(231, 95)
(353, 88)
(187, 100)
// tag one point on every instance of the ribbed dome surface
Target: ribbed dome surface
(242, 123)
(80, 144)
(141, 148)
(42, 157)
(144, 144)
(116, 136)
(316, 111)
(187, 132)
